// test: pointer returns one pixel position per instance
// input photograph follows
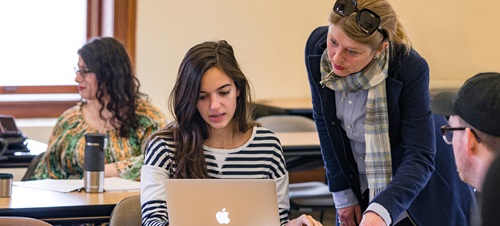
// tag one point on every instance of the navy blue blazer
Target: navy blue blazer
(425, 181)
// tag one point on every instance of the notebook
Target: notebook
(218, 202)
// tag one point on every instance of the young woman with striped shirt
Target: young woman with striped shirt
(213, 135)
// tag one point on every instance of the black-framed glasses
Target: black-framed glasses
(447, 132)
(83, 72)
(366, 19)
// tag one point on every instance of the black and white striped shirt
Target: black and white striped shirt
(260, 157)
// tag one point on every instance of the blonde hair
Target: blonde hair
(390, 24)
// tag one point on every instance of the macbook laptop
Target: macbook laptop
(241, 202)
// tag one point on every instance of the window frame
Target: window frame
(124, 29)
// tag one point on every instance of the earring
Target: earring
(375, 57)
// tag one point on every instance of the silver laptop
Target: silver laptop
(218, 202)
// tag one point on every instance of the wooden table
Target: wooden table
(302, 150)
(81, 207)
(299, 143)
(62, 208)
(284, 106)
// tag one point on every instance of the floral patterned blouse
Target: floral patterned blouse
(65, 152)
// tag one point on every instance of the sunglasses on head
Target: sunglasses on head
(366, 19)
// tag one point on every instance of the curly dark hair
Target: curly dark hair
(109, 60)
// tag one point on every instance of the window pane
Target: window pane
(39, 41)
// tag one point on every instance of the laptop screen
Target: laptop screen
(218, 202)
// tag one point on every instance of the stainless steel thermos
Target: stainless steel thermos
(93, 166)
(6, 184)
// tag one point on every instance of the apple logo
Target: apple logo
(222, 217)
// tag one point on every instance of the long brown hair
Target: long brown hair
(189, 129)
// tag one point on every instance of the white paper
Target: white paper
(52, 184)
(110, 184)
(120, 184)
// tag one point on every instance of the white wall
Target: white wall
(36, 129)
(458, 39)
(268, 38)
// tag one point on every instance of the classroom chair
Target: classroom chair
(127, 212)
(31, 167)
(303, 196)
(22, 221)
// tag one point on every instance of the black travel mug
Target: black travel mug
(93, 165)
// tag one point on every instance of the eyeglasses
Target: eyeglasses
(83, 73)
(447, 132)
(366, 19)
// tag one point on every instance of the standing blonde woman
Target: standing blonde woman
(371, 105)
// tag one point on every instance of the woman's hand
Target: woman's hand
(372, 219)
(304, 220)
(110, 170)
(349, 216)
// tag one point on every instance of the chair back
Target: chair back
(31, 167)
(306, 195)
(127, 212)
(287, 123)
(22, 221)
